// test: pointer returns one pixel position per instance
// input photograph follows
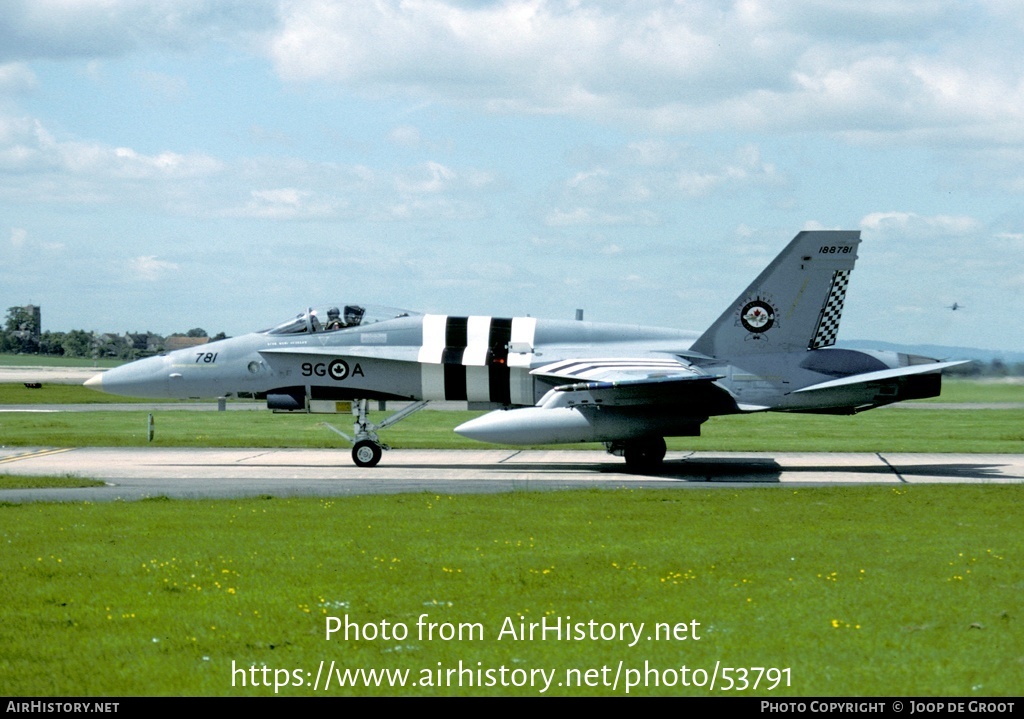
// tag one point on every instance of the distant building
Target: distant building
(180, 342)
(107, 344)
(21, 330)
(29, 324)
(144, 344)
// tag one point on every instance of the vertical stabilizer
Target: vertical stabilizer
(794, 304)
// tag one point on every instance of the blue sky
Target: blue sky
(168, 164)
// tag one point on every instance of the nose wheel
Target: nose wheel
(366, 453)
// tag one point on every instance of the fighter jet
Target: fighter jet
(561, 381)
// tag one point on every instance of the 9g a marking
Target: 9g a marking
(335, 369)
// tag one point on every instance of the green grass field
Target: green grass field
(846, 591)
(19, 394)
(14, 481)
(841, 591)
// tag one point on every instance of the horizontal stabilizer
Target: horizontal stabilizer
(881, 375)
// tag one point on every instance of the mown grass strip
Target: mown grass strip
(13, 481)
(969, 431)
(15, 360)
(58, 394)
(860, 591)
(1009, 390)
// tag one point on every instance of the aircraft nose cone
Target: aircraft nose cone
(141, 378)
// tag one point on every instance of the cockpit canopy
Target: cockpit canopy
(331, 318)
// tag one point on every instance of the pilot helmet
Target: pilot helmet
(333, 313)
(353, 314)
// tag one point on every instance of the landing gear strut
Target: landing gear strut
(367, 448)
(642, 455)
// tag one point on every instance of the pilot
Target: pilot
(353, 315)
(334, 319)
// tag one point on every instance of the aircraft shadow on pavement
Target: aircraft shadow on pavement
(739, 470)
(760, 470)
(769, 471)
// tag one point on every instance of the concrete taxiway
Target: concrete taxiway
(132, 474)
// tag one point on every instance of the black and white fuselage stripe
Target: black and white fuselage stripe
(477, 358)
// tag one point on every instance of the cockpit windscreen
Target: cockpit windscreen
(331, 318)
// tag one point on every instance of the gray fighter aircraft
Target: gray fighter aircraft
(550, 381)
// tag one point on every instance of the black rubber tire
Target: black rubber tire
(644, 455)
(366, 453)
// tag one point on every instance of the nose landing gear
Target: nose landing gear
(367, 449)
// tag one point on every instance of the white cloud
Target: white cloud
(870, 69)
(289, 196)
(18, 237)
(16, 77)
(749, 170)
(909, 224)
(632, 185)
(1016, 238)
(433, 177)
(63, 29)
(580, 216)
(148, 268)
(405, 136)
(287, 203)
(27, 146)
(24, 247)
(436, 178)
(41, 168)
(168, 87)
(876, 70)
(427, 208)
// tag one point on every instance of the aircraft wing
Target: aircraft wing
(629, 382)
(617, 369)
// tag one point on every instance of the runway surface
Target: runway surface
(132, 474)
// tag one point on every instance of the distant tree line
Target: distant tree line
(979, 369)
(21, 335)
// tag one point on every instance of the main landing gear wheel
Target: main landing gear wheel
(366, 453)
(644, 455)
